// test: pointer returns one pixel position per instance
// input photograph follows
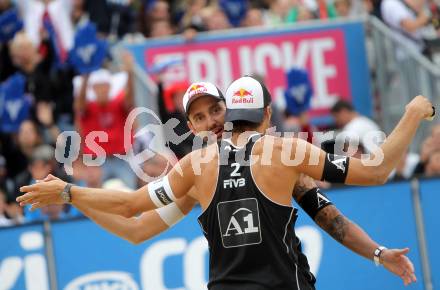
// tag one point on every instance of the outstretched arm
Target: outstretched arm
(319, 165)
(122, 203)
(349, 234)
(353, 237)
(137, 229)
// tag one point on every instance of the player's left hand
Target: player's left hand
(42, 193)
(395, 261)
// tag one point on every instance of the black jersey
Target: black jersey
(252, 243)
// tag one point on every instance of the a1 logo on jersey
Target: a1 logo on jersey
(239, 222)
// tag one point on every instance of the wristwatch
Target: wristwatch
(377, 254)
(65, 194)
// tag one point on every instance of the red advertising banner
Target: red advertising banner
(329, 55)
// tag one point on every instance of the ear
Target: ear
(268, 112)
(191, 127)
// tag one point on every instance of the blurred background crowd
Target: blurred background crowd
(49, 85)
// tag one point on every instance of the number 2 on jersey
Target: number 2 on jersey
(235, 172)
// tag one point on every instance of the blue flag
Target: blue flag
(89, 52)
(299, 91)
(14, 105)
(235, 10)
(10, 23)
(164, 64)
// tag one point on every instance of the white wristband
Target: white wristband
(160, 192)
(170, 214)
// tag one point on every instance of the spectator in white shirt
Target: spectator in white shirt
(409, 18)
(357, 126)
(57, 11)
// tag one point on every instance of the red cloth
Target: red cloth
(323, 13)
(169, 92)
(309, 129)
(62, 53)
(109, 118)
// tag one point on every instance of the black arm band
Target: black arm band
(335, 168)
(313, 201)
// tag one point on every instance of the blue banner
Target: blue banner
(87, 257)
(23, 264)
(386, 214)
(430, 198)
(178, 258)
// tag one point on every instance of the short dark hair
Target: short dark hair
(341, 105)
(242, 126)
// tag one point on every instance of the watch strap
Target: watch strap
(67, 196)
(377, 252)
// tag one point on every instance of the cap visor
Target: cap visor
(251, 115)
(196, 97)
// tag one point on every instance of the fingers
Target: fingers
(401, 265)
(408, 271)
(28, 198)
(50, 177)
(409, 264)
(402, 251)
(413, 277)
(408, 278)
(25, 198)
(28, 188)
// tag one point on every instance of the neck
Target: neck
(352, 116)
(30, 66)
(241, 138)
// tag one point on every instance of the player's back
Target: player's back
(251, 238)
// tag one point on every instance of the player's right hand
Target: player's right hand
(42, 193)
(421, 106)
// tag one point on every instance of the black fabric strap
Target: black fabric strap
(335, 168)
(314, 201)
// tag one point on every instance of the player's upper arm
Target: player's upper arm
(165, 190)
(334, 168)
(182, 176)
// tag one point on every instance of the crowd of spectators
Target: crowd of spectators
(54, 93)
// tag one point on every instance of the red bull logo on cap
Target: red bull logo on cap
(242, 96)
(197, 89)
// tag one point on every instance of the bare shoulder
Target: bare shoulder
(197, 160)
(275, 141)
(209, 151)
